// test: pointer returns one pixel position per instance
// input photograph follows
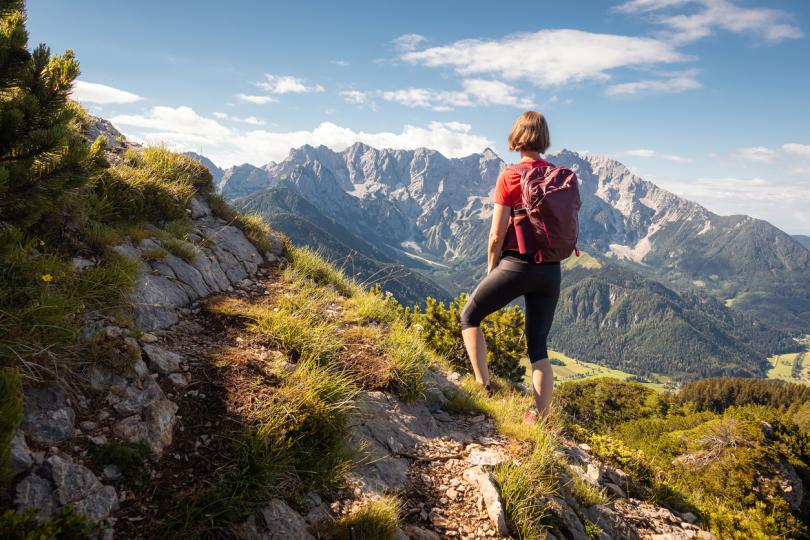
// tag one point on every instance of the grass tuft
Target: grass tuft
(376, 519)
(311, 264)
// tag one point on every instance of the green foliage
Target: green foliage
(603, 402)
(718, 394)
(130, 458)
(11, 409)
(65, 525)
(376, 519)
(42, 299)
(503, 331)
(42, 154)
(728, 467)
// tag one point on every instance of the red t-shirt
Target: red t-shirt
(507, 193)
(507, 187)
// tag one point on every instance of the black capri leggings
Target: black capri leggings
(515, 276)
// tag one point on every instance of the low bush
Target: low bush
(65, 525)
(130, 458)
(440, 325)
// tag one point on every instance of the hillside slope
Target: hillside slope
(614, 317)
(286, 211)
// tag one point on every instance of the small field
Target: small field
(783, 367)
(575, 370)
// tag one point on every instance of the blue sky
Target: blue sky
(707, 98)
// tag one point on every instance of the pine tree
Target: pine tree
(42, 153)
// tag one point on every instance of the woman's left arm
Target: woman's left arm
(497, 234)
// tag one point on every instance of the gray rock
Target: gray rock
(161, 360)
(480, 477)
(178, 379)
(188, 275)
(72, 481)
(199, 207)
(155, 300)
(385, 427)
(232, 266)
(21, 458)
(484, 456)
(127, 250)
(148, 337)
(112, 472)
(160, 417)
(98, 440)
(131, 429)
(232, 240)
(284, 523)
(87, 425)
(210, 270)
(791, 485)
(101, 379)
(80, 264)
(689, 517)
(47, 417)
(99, 504)
(35, 492)
(568, 518)
(418, 533)
(134, 399)
(615, 490)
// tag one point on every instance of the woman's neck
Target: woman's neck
(529, 156)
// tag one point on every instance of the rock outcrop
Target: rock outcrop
(51, 455)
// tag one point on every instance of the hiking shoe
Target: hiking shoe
(530, 417)
(490, 392)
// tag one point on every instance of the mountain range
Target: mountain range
(417, 222)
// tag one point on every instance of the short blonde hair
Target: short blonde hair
(530, 132)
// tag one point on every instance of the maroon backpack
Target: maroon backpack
(546, 221)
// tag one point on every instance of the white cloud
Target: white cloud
(425, 97)
(341, 63)
(87, 92)
(783, 204)
(647, 153)
(258, 100)
(756, 153)
(674, 83)
(184, 129)
(763, 153)
(548, 57)
(355, 96)
(286, 84)
(474, 92)
(251, 120)
(489, 92)
(798, 149)
(706, 16)
(408, 42)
